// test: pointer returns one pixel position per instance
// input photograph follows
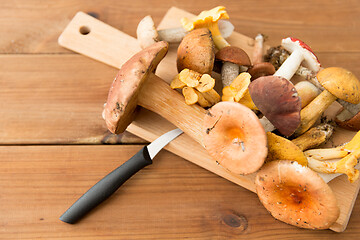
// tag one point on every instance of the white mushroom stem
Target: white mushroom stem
(148, 35)
(258, 49)
(229, 71)
(268, 126)
(290, 66)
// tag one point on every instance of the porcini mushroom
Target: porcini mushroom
(278, 100)
(147, 33)
(347, 120)
(296, 195)
(300, 53)
(234, 137)
(338, 83)
(232, 58)
(209, 19)
(196, 52)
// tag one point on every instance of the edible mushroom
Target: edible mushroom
(147, 33)
(196, 52)
(232, 59)
(209, 19)
(347, 120)
(300, 53)
(278, 101)
(307, 92)
(338, 83)
(234, 137)
(296, 195)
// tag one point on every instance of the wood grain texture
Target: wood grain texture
(171, 199)
(37, 183)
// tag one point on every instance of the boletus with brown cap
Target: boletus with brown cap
(196, 52)
(234, 137)
(296, 195)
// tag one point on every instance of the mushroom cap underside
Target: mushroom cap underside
(234, 137)
(296, 195)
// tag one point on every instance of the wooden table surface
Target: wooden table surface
(54, 143)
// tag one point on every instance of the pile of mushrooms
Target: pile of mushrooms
(261, 122)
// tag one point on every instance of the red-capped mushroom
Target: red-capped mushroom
(234, 137)
(300, 53)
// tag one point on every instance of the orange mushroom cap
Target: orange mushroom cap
(296, 195)
(234, 137)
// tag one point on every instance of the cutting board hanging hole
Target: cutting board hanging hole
(84, 30)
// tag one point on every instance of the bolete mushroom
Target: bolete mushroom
(234, 137)
(278, 101)
(209, 19)
(296, 195)
(307, 92)
(300, 53)
(136, 84)
(196, 52)
(147, 34)
(232, 58)
(338, 83)
(345, 119)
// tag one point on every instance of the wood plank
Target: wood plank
(171, 199)
(328, 26)
(70, 91)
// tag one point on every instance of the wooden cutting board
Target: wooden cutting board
(91, 37)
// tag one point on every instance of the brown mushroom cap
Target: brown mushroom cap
(235, 138)
(261, 69)
(296, 195)
(352, 123)
(278, 100)
(122, 99)
(234, 55)
(341, 83)
(196, 52)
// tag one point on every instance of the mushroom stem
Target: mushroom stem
(313, 111)
(219, 41)
(314, 137)
(258, 49)
(229, 71)
(268, 126)
(290, 65)
(307, 92)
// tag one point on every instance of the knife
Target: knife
(111, 182)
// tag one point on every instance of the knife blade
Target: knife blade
(111, 182)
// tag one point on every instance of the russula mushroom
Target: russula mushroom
(338, 83)
(136, 84)
(147, 34)
(196, 52)
(296, 195)
(307, 92)
(278, 101)
(209, 19)
(260, 68)
(238, 91)
(234, 137)
(232, 58)
(300, 53)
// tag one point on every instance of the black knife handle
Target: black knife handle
(106, 186)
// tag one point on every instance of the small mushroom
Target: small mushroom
(296, 195)
(347, 120)
(307, 92)
(300, 53)
(209, 19)
(147, 34)
(196, 52)
(232, 58)
(278, 101)
(234, 137)
(238, 91)
(260, 68)
(338, 83)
